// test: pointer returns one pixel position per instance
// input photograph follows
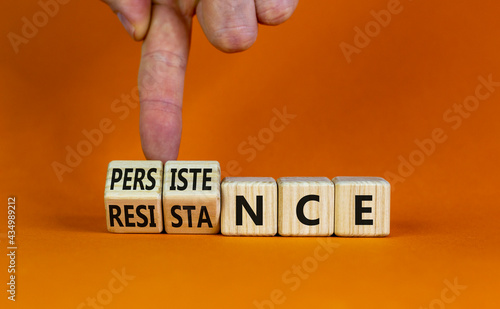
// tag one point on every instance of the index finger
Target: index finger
(161, 81)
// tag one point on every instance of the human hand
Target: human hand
(165, 27)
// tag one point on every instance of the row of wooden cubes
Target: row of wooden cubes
(187, 197)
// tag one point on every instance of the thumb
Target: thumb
(133, 14)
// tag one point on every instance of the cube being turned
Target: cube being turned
(362, 206)
(191, 197)
(132, 197)
(305, 206)
(249, 206)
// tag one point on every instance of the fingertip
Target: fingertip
(235, 39)
(231, 26)
(134, 15)
(275, 12)
(126, 24)
(160, 130)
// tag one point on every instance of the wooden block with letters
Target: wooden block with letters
(249, 206)
(362, 206)
(305, 206)
(132, 197)
(191, 197)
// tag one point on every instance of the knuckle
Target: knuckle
(159, 68)
(165, 57)
(160, 105)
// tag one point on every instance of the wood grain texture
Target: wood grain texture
(376, 201)
(133, 200)
(191, 197)
(290, 191)
(255, 190)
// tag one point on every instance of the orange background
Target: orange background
(352, 119)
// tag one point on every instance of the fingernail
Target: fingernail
(126, 24)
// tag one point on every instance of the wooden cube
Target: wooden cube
(305, 206)
(132, 197)
(362, 206)
(249, 206)
(191, 197)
